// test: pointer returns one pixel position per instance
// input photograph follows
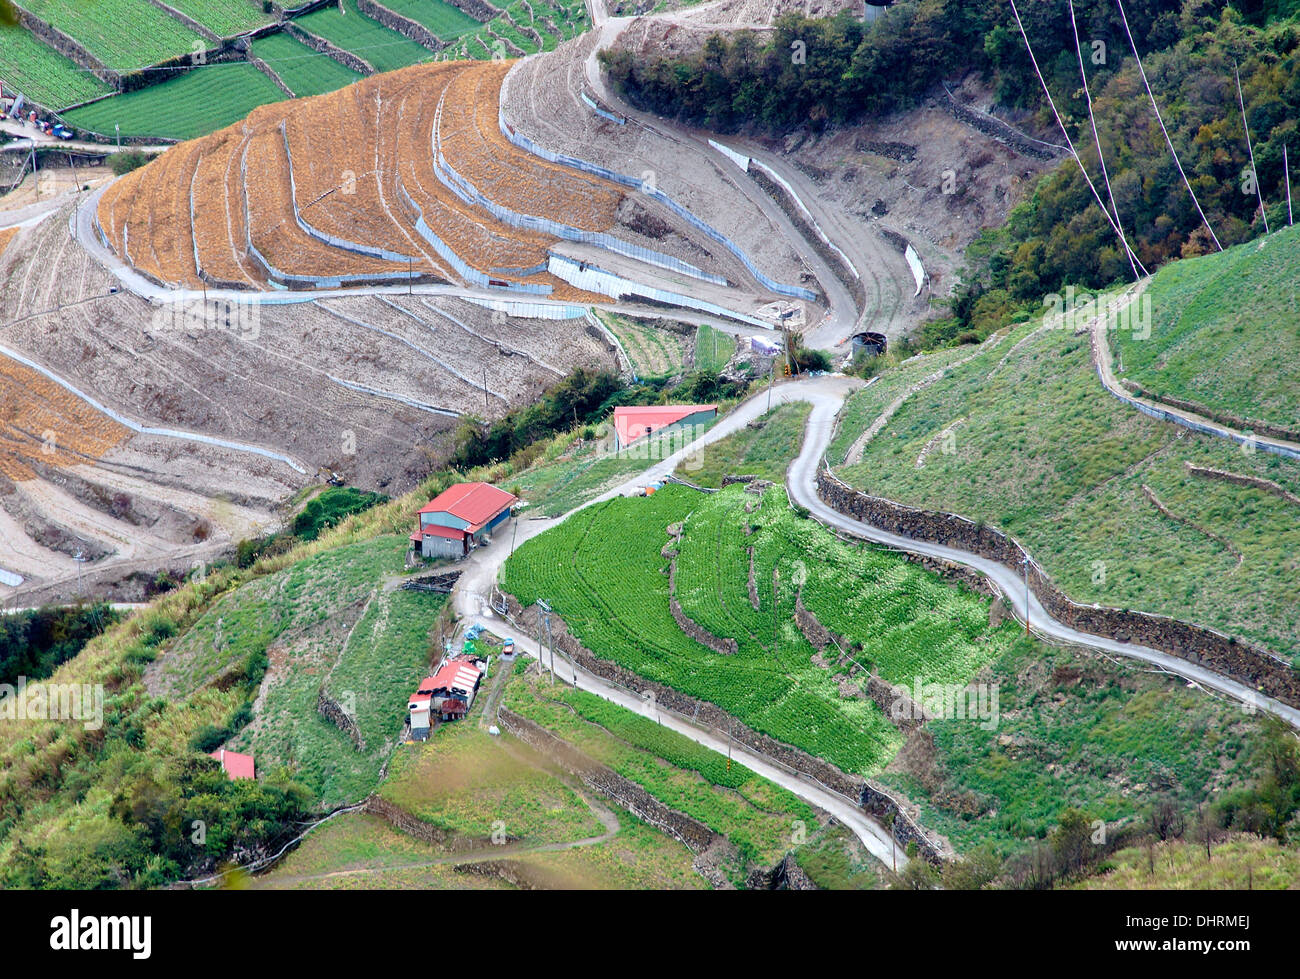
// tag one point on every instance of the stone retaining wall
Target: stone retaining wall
(999, 130)
(881, 805)
(690, 832)
(477, 9)
(346, 58)
(402, 820)
(1247, 664)
(1221, 417)
(1252, 482)
(330, 709)
(828, 255)
(402, 25)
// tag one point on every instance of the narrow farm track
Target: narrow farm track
(826, 395)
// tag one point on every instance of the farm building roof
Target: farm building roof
(633, 421)
(235, 764)
(475, 503)
(456, 674)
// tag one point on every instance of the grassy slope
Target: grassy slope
(1240, 863)
(757, 816)
(713, 348)
(1225, 332)
(762, 448)
(1074, 729)
(444, 20)
(1045, 455)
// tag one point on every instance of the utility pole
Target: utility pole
(771, 374)
(118, 129)
(486, 409)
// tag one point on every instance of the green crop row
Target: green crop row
(124, 34)
(198, 102)
(42, 74)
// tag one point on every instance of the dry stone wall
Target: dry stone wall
(1247, 664)
(690, 832)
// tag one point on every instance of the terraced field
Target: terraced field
(305, 71)
(444, 20)
(348, 28)
(524, 27)
(758, 817)
(42, 424)
(655, 352)
(199, 101)
(1224, 333)
(153, 37)
(1117, 507)
(42, 74)
(225, 18)
(898, 619)
(328, 208)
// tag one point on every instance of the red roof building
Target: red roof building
(632, 422)
(460, 517)
(235, 764)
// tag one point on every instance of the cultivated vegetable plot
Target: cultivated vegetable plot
(124, 34)
(444, 20)
(41, 73)
(199, 101)
(603, 572)
(552, 21)
(225, 18)
(350, 29)
(305, 71)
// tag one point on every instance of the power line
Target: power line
(1259, 191)
(1078, 47)
(1065, 132)
(1169, 142)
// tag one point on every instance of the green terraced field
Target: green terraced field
(1225, 332)
(553, 20)
(713, 348)
(42, 74)
(760, 818)
(603, 572)
(368, 39)
(197, 103)
(444, 20)
(1040, 451)
(305, 71)
(123, 34)
(225, 18)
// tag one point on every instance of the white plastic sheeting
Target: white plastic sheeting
(527, 310)
(524, 143)
(918, 270)
(594, 279)
(739, 159)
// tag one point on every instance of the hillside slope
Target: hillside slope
(1119, 508)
